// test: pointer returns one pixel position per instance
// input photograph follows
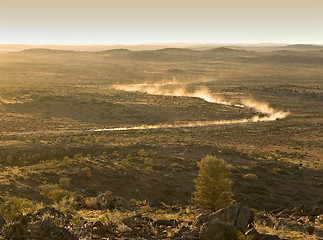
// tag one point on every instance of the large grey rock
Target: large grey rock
(228, 215)
(216, 230)
(245, 219)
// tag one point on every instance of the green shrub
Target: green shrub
(213, 188)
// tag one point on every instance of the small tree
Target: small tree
(213, 188)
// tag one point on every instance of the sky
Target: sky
(155, 21)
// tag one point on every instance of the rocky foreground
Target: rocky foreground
(152, 220)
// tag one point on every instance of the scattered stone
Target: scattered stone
(194, 234)
(165, 222)
(77, 202)
(99, 228)
(45, 229)
(137, 221)
(119, 202)
(102, 201)
(156, 204)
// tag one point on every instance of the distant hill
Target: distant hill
(302, 47)
(46, 51)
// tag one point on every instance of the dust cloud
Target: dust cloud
(177, 90)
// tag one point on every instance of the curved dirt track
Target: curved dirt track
(269, 114)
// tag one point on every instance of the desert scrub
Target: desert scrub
(85, 172)
(54, 193)
(11, 207)
(64, 182)
(250, 177)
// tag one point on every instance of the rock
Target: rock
(102, 201)
(119, 202)
(45, 229)
(235, 215)
(194, 234)
(155, 204)
(200, 220)
(77, 202)
(2, 222)
(269, 237)
(46, 223)
(165, 222)
(99, 228)
(137, 221)
(216, 230)
(233, 212)
(245, 219)
(254, 234)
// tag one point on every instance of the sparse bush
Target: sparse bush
(66, 162)
(64, 182)
(54, 193)
(124, 162)
(115, 154)
(250, 177)
(149, 161)
(178, 167)
(14, 206)
(142, 153)
(213, 188)
(85, 172)
(78, 157)
(104, 218)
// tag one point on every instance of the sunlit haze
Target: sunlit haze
(143, 21)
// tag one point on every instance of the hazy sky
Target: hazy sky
(155, 21)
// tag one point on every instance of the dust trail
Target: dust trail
(177, 90)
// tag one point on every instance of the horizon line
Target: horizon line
(162, 43)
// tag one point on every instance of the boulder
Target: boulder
(216, 230)
(254, 234)
(240, 217)
(40, 230)
(228, 215)
(102, 201)
(245, 219)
